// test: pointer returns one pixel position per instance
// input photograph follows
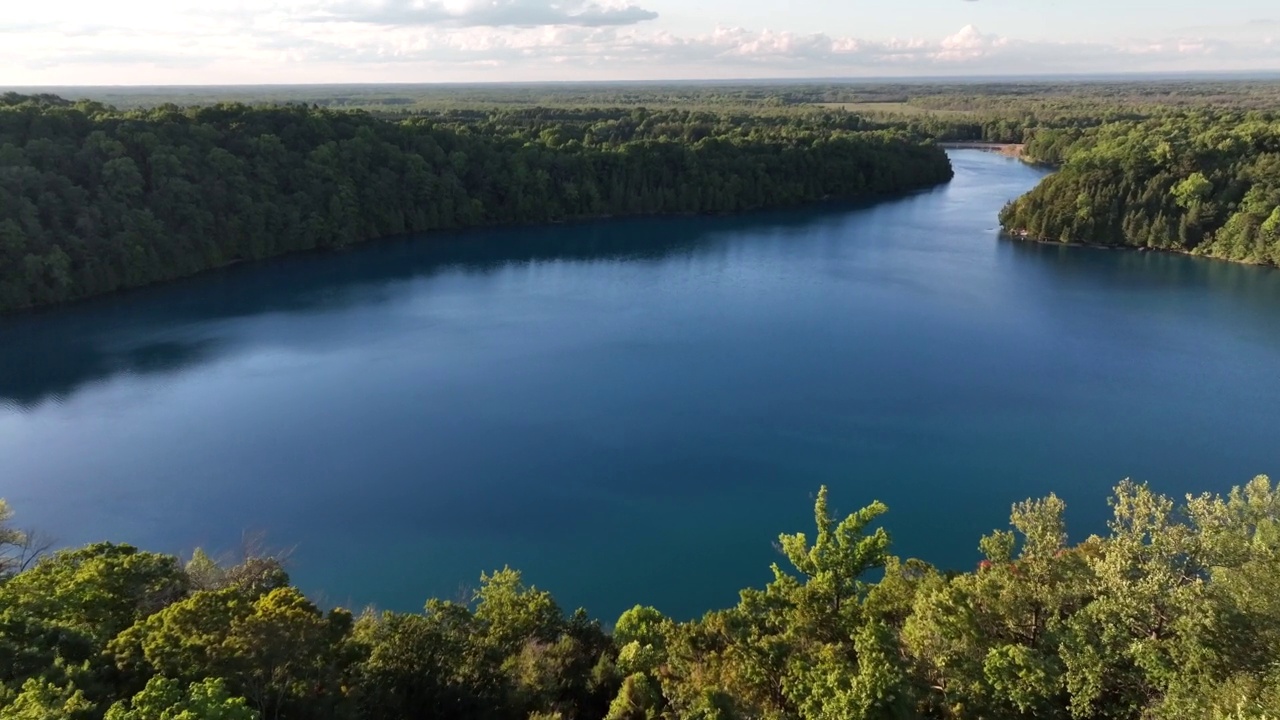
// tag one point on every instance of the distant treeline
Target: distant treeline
(1010, 98)
(1205, 182)
(1173, 614)
(1018, 112)
(93, 199)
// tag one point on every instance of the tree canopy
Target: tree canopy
(1173, 613)
(1206, 183)
(93, 199)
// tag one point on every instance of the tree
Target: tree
(841, 552)
(640, 638)
(1193, 190)
(1173, 612)
(99, 590)
(99, 200)
(45, 701)
(12, 542)
(513, 614)
(801, 645)
(1123, 647)
(639, 699)
(278, 650)
(428, 665)
(165, 699)
(869, 683)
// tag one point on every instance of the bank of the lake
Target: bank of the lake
(94, 201)
(1023, 236)
(630, 411)
(1013, 150)
(1206, 185)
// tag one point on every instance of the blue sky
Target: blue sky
(285, 41)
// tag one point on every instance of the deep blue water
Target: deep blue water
(631, 411)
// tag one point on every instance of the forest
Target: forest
(1173, 613)
(97, 197)
(1200, 182)
(973, 97)
(94, 199)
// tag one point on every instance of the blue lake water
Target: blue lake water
(631, 411)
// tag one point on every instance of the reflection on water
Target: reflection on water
(1147, 270)
(1250, 294)
(50, 354)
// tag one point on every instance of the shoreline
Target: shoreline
(868, 199)
(1014, 237)
(1013, 150)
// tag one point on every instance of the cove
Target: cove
(631, 411)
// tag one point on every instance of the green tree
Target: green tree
(165, 699)
(841, 553)
(12, 542)
(1193, 190)
(45, 701)
(278, 651)
(429, 665)
(640, 635)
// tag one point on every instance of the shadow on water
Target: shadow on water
(51, 354)
(1149, 271)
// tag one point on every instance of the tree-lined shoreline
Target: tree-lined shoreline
(1204, 184)
(94, 200)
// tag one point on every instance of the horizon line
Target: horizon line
(1237, 75)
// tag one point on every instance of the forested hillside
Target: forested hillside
(1173, 614)
(1206, 183)
(93, 199)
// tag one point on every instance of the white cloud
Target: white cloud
(969, 44)
(728, 51)
(485, 13)
(469, 40)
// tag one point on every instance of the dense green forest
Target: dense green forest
(1200, 182)
(1008, 97)
(1172, 614)
(93, 199)
(1008, 111)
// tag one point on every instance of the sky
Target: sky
(202, 42)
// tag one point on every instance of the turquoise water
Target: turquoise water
(631, 411)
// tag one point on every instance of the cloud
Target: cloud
(632, 53)
(514, 40)
(486, 13)
(16, 28)
(169, 60)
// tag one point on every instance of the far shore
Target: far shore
(1014, 150)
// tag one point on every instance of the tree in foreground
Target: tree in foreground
(1172, 613)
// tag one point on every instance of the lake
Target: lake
(631, 411)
